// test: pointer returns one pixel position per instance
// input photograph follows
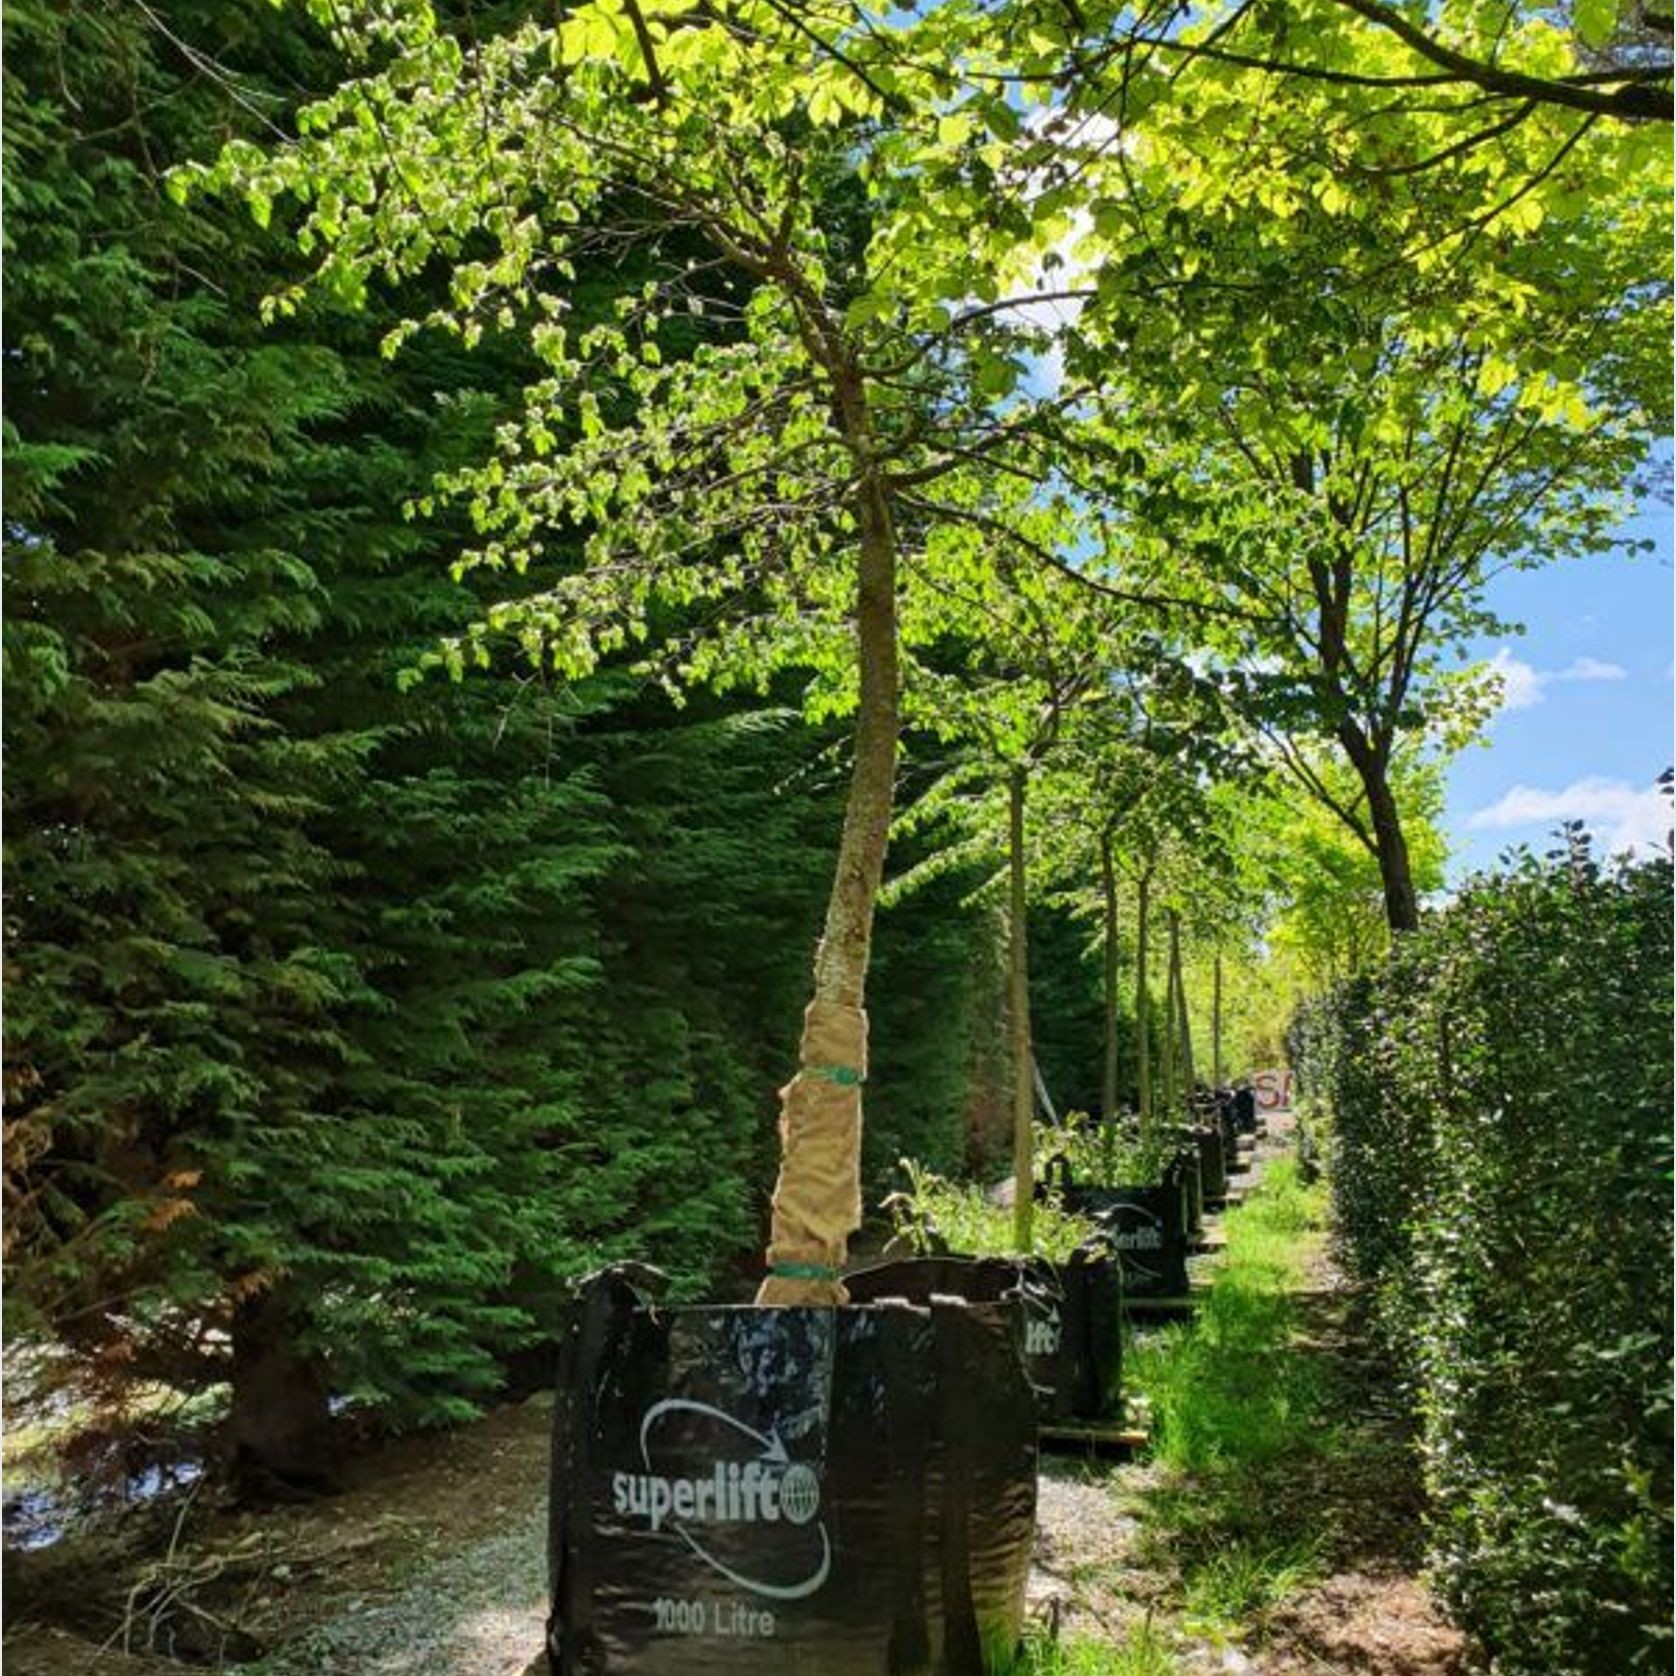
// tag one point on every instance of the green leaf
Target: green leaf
(1596, 21)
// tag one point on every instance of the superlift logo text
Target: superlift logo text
(737, 1492)
(1043, 1332)
(712, 1509)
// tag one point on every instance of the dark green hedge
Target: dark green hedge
(1500, 1098)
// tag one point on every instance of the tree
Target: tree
(1482, 67)
(767, 487)
(1353, 459)
(1130, 796)
(1323, 887)
(344, 1023)
(1008, 701)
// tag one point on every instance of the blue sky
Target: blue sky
(1586, 724)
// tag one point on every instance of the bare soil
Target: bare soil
(1359, 1622)
(432, 1561)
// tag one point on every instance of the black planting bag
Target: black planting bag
(1072, 1318)
(1183, 1171)
(1228, 1122)
(844, 1492)
(1245, 1110)
(1146, 1227)
(1213, 1163)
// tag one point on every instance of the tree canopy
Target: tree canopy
(1112, 418)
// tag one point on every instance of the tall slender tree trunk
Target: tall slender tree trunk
(1018, 1015)
(1167, 1086)
(1396, 872)
(1108, 1072)
(1143, 1005)
(1178, 973)
(817, 1199)
(1216, 1021)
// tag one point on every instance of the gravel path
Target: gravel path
(480, 1612)
(477, 1613)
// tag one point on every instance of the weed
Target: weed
(1237, 1588)
(1099, 1152)
(963, 1217)
(1143, 1651)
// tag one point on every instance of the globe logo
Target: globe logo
(800, 1493)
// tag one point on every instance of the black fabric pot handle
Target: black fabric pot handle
(907, 1445)
(596, 1331)
(957, 1391)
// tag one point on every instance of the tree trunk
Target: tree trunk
(1143, 1006)
(1108, 1077)
(1216, 1021)
(1396, 875)
(1402, 905)
(1018, 1015)
(1167, 1088)
(1184, 1026)
(817, 1199)
(279, 1428)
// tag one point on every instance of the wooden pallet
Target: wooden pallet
(1168, 1306)
(1092, 1437)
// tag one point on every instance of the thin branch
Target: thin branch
(1056, 561)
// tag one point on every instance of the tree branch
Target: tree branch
(1633, 97)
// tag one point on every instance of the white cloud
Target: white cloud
(1524, 685)
(1620, 815)
(1521, 685)
(1592, 669)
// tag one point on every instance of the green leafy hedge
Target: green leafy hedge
(1500, 1098)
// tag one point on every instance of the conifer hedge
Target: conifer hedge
(1500, 1098)
(344, 1023)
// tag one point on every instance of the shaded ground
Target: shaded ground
(1306, 1563)
(1117, 1546)
(432, 1563)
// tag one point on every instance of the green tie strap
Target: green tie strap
(803, 1271)
(846, 1076)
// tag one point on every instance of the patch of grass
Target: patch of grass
(1243, 1419)
(1144, 1651)
(1236, 1589)
(1229, 1388)
(1243, 1409)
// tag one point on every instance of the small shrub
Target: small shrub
(1100, 1154)
(962, 1215)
